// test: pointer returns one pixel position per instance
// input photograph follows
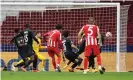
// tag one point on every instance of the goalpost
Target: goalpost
(107, 15)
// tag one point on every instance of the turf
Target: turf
(65, 76)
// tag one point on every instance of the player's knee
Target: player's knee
(86, 57)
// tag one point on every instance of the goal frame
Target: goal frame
(82, 4)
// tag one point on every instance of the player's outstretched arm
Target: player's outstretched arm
(40, 45)
(18, 35)
(46, 34)
(80, 34)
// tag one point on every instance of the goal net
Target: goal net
(43, 17)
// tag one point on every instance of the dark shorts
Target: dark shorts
(25, 51)
(82, 47)
(71, 56)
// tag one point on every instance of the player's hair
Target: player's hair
(65, 33)
(27, 25)
(58, 26)
(91, 20)
(16, 30)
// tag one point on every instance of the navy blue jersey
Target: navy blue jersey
(27, 36)
(19, 42)
(67, 44)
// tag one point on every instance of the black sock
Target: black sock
(74, 65)
(35, 63)
(20, 64)
(27, 63)
(79, 61)
(90, 64)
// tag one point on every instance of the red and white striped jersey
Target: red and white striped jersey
(90, 32)
(54, 39)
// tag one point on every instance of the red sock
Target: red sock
(54, 63)
(58, 60)
(85, 63)
(99, 60)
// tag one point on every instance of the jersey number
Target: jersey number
(64, 46)
(90, 31)
(52, 33)
(26, 37)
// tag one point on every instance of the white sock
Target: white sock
(99, 67)
(58, 65)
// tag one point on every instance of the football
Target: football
(108, 34)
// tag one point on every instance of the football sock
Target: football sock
(58, 60)
(54, 63)
(99, 60)
(74, 65)
(85, 63)
(35, 64)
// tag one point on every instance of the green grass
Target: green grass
(65, 76)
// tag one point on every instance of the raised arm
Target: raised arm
(45, 34)
(80, 34)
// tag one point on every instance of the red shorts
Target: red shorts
(52, 51)
(90, 48)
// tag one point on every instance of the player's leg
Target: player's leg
(27, 62)
(19, 64)
(57, 52)
(86, 58)
(43, 59)
(77, 62)
(51, 54)
(98, 56)
(44, 64)
(29, 52)
(35, 63)
(92, 63)
(72, 57)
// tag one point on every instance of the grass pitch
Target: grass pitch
(8, 75)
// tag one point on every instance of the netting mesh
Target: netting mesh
(123, 36)
(72, 18)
